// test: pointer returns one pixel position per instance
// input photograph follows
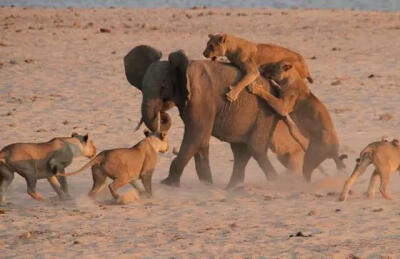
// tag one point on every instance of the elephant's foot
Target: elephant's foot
(233, 184)
(206, 178)
(65, 197)
(170, 182)
(206, 181)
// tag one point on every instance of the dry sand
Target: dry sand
(60, 74)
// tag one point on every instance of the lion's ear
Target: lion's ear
(74, 134)
(210, 36)
(223, 37)
(286, 66)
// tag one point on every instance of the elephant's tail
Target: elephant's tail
(92, 162)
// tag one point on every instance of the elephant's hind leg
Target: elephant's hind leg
(266, 166)
(259, 152)
(241, 157)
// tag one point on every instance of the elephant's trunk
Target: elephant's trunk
(153, 117)
(165, 121)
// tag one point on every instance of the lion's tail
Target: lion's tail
(91, 163)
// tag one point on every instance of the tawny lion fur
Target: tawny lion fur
(288, 151)
(385, 156)
(248, 56)
(308, 112)
(126, 165)
(48, 160)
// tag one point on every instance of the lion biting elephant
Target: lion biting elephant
(197, 89)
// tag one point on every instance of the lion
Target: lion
(307, 111)
(35, 161)
(385, 156)
(248, 56)
(126, 165)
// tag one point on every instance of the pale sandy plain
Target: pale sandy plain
(60, 74)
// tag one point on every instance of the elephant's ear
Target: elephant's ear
(179, 63)
(137, 61)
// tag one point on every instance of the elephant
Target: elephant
(197, 88)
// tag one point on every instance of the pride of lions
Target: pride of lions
(300, 109)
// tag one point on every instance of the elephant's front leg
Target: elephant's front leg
(241, 157)
(202, 162)
(193, 139)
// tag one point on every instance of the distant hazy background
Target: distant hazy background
(388, 5)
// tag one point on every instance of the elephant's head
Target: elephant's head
(163, 83)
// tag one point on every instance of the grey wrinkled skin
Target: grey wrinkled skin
(198, 89)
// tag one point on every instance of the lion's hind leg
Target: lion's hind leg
(99, 180)
(31, 187)
(372, 184)
(385, 176)
(6, 177)
(313, 157)
(115, 185)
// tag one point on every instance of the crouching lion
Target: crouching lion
(126, 165)
(35, 161)
(385, 156)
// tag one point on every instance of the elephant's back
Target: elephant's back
(233, 121)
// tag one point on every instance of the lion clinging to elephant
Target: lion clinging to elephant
(197, 88)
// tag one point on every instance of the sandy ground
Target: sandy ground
(59, 74)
